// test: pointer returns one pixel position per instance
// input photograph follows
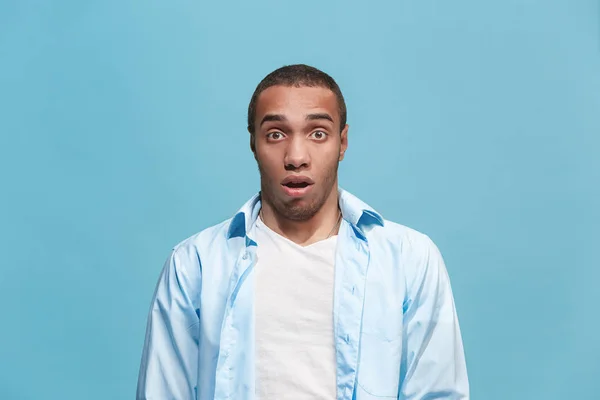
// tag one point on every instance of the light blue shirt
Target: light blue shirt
(396, 330)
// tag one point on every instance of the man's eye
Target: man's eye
(319, 135)
(275, 135)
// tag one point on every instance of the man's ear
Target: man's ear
(343, 142)
(252, 142)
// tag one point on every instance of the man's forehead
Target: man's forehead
(284, 94)
(281, 98)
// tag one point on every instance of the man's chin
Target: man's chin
(294, 209)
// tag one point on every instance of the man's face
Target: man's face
(298, 146)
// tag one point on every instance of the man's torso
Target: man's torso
(295, 350)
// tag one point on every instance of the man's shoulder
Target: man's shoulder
(395, 230)
(404, 239)
(208, 236)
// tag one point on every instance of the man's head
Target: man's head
(298, 134)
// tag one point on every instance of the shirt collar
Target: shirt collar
(359, 214)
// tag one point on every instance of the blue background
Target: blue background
(123, 132)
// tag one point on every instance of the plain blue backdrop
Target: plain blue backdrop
(123, 132)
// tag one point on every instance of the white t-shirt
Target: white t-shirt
(295, 352)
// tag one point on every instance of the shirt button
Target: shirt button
(245, 256)
(357, 246)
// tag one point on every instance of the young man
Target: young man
(306, 292)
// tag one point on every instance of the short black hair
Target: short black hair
(297, 75)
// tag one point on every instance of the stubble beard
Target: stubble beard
(296, 210)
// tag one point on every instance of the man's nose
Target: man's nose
(297, 155)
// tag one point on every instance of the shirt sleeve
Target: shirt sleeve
(433, 364)
(169, 366)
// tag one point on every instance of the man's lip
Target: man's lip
(297, 192)
(297, 179)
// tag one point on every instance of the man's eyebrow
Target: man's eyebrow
(312, 117)
(273, 117)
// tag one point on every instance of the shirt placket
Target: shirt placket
(231, 367)
(352, 258)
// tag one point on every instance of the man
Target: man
(306, 292)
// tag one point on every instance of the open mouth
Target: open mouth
(296, 185)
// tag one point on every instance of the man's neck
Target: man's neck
(323, 224)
